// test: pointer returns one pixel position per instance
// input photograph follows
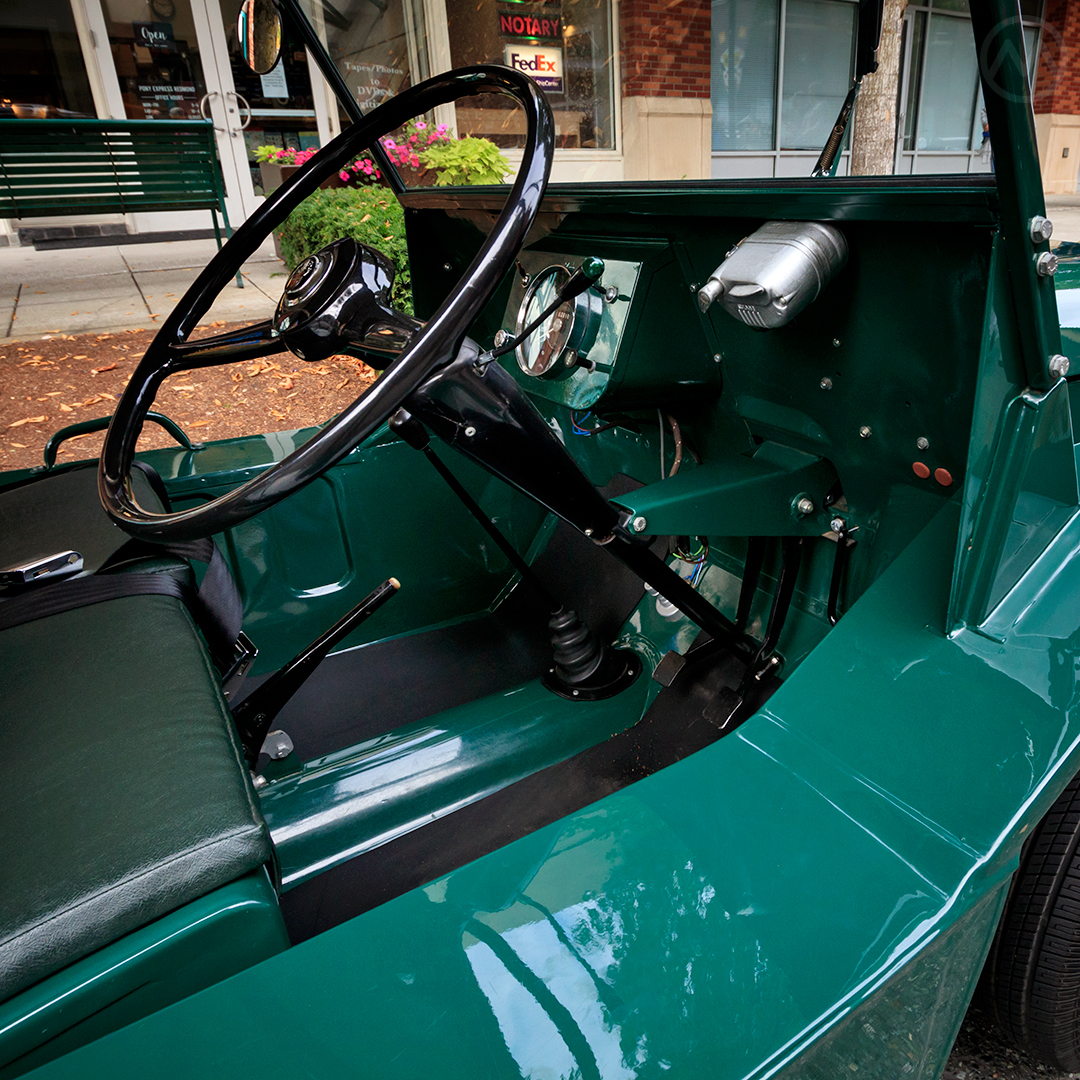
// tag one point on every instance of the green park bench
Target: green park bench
(54, 167)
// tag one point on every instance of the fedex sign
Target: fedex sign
(543, 64)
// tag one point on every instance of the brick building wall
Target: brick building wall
(665, 48)
(1056, 97)
(1057, 75)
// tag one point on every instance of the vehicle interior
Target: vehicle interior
(632, 527)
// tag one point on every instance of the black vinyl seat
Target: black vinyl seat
(123, 789)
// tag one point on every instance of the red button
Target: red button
(943, 477)
(920, 470)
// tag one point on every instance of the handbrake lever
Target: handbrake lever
(254, 715)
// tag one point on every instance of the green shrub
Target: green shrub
(468, 160)
(370, 215)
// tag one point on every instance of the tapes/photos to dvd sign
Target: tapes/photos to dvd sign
(543, 63)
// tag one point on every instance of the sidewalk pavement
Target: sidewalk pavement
(121, 287)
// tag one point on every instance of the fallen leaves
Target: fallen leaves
(99, 370)
(29, 420)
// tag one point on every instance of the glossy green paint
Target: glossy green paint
(760, 492)
(200, 944)
(86, 427)
(723, 916)
(1021, 487)
(631, 365)
(385, 787)
(302, 564)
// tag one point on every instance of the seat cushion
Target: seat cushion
(123, 791)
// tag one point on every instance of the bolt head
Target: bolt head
(865, 432)
(836, 343)
(1046, 264)
(1041, 229)
(837, 524)
(447, 267)
(922, 442)
(501, 338)
(1059, 366)
(805, 505)
(826, 383)
(470, 431)
(639, 524)
(717, 358)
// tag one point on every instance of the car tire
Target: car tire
(1033, 970)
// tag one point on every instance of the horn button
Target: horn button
(340, 297)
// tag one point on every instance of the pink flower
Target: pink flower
(414, 161)
(441, 129)
(378, 175)
(420, 125)
(403, 157)
(343, 174)
(412, 139)
(389, 144)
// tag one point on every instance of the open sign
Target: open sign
(155, 35)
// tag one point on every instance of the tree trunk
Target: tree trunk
(873, 140)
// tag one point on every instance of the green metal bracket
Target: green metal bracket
(1000, 45)
(87, 427)
(740, 496)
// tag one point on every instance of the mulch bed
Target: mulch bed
(49, 383)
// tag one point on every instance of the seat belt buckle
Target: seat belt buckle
(244, 653)
(47, 568)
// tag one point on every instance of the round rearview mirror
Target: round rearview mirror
(259, 30)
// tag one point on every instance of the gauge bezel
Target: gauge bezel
(558, 366)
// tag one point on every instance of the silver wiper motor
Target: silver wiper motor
(772, 274)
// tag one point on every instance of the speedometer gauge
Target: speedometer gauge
(554, 347)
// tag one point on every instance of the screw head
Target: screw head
(826, 383)
(837, 524)
(1059, 366)
(502, 337)
(638, 524)
(447, 267)
(1040, 229)
(865, 432)
(611, 294)
(922, 442)
(1046, 264)
(588, 532)
(717, 358)
(805, 505)
(470, 431)
(836, 343)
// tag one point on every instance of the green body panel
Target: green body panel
(453, 759)
(760, 492)
(720, 916)
(191, 948)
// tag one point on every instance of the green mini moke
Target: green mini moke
(668, 666)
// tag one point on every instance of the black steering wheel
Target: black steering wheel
(430, 347)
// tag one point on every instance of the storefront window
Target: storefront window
(42, 73)
(157, 58)
(819, 58)
(565, 45)
(943, 100)
(744, 36)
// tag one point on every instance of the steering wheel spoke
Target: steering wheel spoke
(247, 343)
(353, 315)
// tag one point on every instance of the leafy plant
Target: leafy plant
(370, 215)
(277, 156)
(468, 160)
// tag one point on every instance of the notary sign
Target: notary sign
(542, 62)
(538, 23)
